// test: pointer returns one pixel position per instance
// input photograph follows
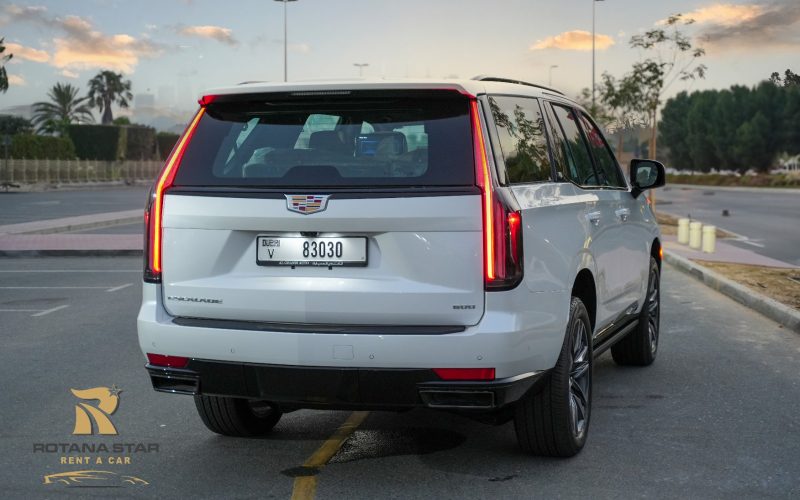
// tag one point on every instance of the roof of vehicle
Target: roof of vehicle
(477, 86)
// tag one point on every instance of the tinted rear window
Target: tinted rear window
(417, 139)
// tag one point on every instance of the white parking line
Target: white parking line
(126, 285)
(750, 242)
(19, 310)
(48, 311)
(53, 287)
(70, 270)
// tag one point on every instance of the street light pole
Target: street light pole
(593, 45)
(360, 67)
(285, 41)
(550, 79)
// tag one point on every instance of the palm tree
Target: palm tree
(64, 108)
(108, 88)
(3, 61)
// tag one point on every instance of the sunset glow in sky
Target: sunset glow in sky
(174, 49)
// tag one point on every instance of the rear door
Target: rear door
(352, 208)
(599, 212)
(632, 245)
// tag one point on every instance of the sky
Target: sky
(174, 49)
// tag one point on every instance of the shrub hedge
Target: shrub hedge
(113, 142)
(41, 147)
(166, 141)
(95, 142)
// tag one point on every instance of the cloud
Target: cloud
(27, 53)
(78, 45)
(218, 33)
(756, 26)
(574, 40)
(69, 74)
(724, 14)
(16, 80)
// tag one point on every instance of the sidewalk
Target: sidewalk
(725, 252)
(49, 237)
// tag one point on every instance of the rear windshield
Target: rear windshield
(410, 139)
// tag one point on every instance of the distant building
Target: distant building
(24, 110)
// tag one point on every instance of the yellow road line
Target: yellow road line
(305, 487)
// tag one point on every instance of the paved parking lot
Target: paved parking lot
(717, 416)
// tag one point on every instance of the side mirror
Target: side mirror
(646, 174)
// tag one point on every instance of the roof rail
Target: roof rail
(487, 78)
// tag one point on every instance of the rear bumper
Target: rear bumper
(340, 388)
(519, 333)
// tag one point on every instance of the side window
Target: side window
(520, 127)
(578, 161)
(606, 163)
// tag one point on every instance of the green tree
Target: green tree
(672, 130)
(64, 108)
(3, 60)
(700, 129)
(790, 79)
(673, 58)
(13, 125)
(108, 88)
(752, 143)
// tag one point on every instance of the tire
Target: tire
(640, 346)
(237, 417)
(554, 422)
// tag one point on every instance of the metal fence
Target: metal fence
(76, 171)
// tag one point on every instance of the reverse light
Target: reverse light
(465, 373)
(154, 212)
(167, 361)
(502, 225)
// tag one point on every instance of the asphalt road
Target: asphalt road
(767, 220)
(717, 415)
(16, 207)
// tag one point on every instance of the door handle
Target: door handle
(623, 214)
(593, 217)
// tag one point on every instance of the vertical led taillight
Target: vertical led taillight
(153, 214)
(502, 225)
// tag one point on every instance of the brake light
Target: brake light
(167, 361)
(153, 213)
(206, 100)
(465, 373)
(502, 225)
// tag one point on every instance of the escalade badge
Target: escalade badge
(307, 203)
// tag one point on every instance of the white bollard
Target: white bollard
(683, 231)
(709, 239)
(695, 234)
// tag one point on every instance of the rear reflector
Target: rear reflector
(167, 361)
(465, 373)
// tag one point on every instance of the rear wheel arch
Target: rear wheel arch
(585, 289)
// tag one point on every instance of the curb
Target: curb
(86, 225)
(774, 310)
(70, 253)
(73, 223)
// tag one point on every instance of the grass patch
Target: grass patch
(780, 284)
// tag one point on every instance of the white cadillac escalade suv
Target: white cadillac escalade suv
(468, 245)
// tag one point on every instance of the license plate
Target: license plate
(307, 251)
